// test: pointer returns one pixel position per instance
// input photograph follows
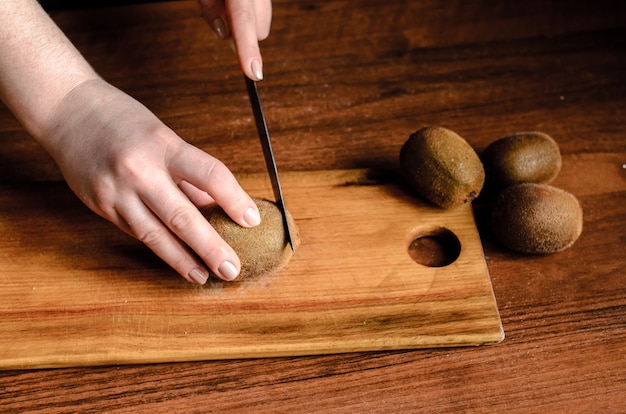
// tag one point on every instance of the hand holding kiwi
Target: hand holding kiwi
(263, 249)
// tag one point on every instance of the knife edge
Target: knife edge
(268, 154)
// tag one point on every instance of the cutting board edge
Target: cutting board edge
(89, 360)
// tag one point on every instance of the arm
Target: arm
(38, 64)
(120, 160)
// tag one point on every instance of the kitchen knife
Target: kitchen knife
(270, 162)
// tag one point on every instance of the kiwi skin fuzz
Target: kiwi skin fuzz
(442, 167)
(524, 157)
(536, 218)
(262, 250)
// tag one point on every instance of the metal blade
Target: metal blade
(270, 162)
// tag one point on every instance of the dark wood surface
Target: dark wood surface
(346, 83)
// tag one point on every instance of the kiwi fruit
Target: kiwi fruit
(536, 218)
(442, 167)
(263, 249)
(524, 157)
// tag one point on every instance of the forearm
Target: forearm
(38, 65)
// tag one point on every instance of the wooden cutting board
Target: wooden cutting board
(74, 290)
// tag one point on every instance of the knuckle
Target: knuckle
(150, 237)
(213, 168)
(244, 16)
(180, 262)
(212, 256)
(130, 165)
(214, 250)
(99, 197)
(181, 220)
(217, 173)
(239, 204)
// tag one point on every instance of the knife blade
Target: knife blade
(270, 162)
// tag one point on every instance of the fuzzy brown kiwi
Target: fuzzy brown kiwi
(536, 218)
(442, 167)
(524, 157)
(263, 249)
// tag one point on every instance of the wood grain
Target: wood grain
(351, 287)
(346, 83)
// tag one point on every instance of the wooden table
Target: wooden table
(346, 83)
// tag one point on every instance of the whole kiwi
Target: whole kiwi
(536, 218)
(524, 157)
(442, 167)
(263, 249)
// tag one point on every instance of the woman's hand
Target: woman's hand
(119, 159)
(248, 22)
(131, 169)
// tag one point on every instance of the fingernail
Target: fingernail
(252, 217)
(199, 276)
(228, 271)
(219, 27)
(257, 68)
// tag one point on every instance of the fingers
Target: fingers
(198, 197)
(244, 20)
(264, 18)
(134, 171)
(161, 212)
(171, 226)
(167, 221)
(210, 175)
(187, 227)
(248, 22)
(138, 221)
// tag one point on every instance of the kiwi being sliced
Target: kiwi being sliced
(263, 249)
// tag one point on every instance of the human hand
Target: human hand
(131, 169)
(248, 22)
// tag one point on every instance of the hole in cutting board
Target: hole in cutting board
(435, 247)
